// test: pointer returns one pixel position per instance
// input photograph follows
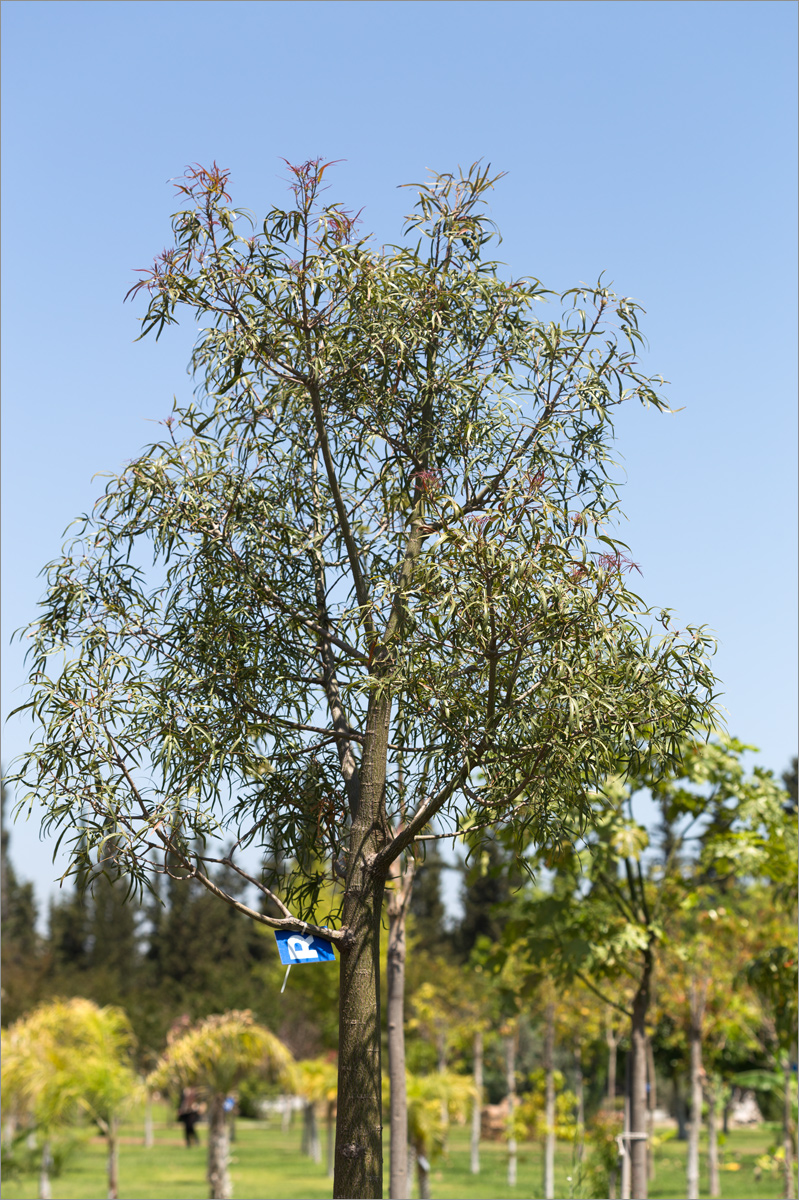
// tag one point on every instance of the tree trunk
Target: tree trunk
(636, 1144)
(625, 1165)
(45, 1168)
(679, 1108)
(359, 1152)
(311, 1144)
(651, 1105)
(713, 1139)
(612, 1039)
(398, 901)
(478, 1102)
(149, 1135)
(787, 1141)
(580, 1081)
(549, 1110)
(218, 1149)
(422, 1175)
(330, 1139)
(695, 1036)
(113, 1160)
(510, 1075)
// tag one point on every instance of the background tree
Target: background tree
(606, 918)
(20, 945)
(217, 1055)
(67, 1058)
(433, 1101)
(393, 494)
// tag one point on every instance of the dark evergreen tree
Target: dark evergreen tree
(427, 906)
(20, 945)
(490, 881)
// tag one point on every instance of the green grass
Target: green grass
(266, 1163)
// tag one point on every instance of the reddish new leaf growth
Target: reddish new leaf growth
(204, 183)
(617, 562)
(307, 178)
(428, 482)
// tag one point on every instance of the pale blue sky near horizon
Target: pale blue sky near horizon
(653, 141)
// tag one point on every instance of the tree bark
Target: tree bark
(113, 1160)
(422, 1175)
(330, 1138)
(695, 1037)
(398, 901)
(311, 1144)
(580, 1080)
(713, 1139)
(788, 1190)
(636, 1145)
(549, 1110)
(478, 1102)
(510, 1075)
(679, 1108)
(612, 1039)
(359, 1153)
(625, 1171)
(45, 1168)
(218, 1149)
(651, 1105)
(149, 1135)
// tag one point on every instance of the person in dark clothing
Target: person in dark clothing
(188, 1115)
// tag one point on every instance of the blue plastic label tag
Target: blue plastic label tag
(296, 948)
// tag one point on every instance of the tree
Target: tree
(392, 503)
(433, 1101)
(217, 1055)
(20, 945)
(607, 915)
(316, 1081)
(67, 1058)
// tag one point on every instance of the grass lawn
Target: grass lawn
(266, 1163)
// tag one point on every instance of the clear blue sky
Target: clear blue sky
(653, 141)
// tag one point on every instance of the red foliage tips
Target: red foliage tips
(617, 562)
(428, 482)
(204, 183)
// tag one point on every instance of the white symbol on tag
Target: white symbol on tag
(300, 947)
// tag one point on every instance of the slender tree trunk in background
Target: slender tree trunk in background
(113, 1160)
(679, 1109)
(149, 1135)
(311, 1144)
(45, 1168)
(331, 1158)
(636, 1146)
(788, 1191)
(580, 1080)
(651, 1105)
(549, 1109)
(510, 1075)
(478, 1102)
(359, 1128)
(626, 1161)
(398, 900)
(288, 1112)
(218, 1149)
(422, 1174)
(695, 1036)
(612, 1039)
(713, 1139)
